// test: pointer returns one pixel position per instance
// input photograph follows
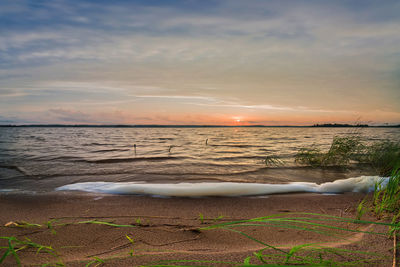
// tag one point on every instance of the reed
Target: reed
(386, 200)
(273, 160)
(383, 156)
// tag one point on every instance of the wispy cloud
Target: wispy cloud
(254, 56)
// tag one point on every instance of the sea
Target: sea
(176, 161)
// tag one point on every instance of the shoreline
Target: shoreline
(167, 228)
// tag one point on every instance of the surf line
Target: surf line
(363, 184)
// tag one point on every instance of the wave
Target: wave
(16, 168)
(238, 158)
(363, 184)
(98, 144)
(236, 145)
(120, 160)
(57, 158)
(111, 150)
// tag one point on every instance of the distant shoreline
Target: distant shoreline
(195, 126)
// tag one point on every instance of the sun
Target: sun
(237, 119)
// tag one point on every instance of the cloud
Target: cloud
(255, 56)
(69, 116)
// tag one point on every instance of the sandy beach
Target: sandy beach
(168, 228)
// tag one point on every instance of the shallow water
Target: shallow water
(42, 159)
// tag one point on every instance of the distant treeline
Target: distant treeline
(340, 125)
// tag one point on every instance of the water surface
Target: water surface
(42, 159)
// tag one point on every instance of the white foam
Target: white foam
(363, 184)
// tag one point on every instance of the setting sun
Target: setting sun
(237, 119)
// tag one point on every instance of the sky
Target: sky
(227, 62)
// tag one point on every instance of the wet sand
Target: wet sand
(168, 228)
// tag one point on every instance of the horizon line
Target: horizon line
(327, 125)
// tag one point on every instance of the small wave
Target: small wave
(120, 160)
(238, 158)
(16, 168)
(98, 144)
(238, 146)
(58, 158)
(110, 150)
(229, 152)
(362, 184)
(37, 138)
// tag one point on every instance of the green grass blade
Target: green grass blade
(12, 250)
(4, 255)
(105, 223)
(296, 249)
(256, 240)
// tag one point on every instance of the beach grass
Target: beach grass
(383, 156)
(386, 200)
(273, 160)
(15, 246)
(311, 254)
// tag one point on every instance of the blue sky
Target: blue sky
(199, 62)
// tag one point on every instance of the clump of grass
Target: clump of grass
(220, 217)
(387, 200)
(201, 218)
(383, 156)
(310, 156)
(361, 209)
(341, 152)
(15, 245)
(273, 161)
(50, 226)
(138, 221)
(96, 260)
